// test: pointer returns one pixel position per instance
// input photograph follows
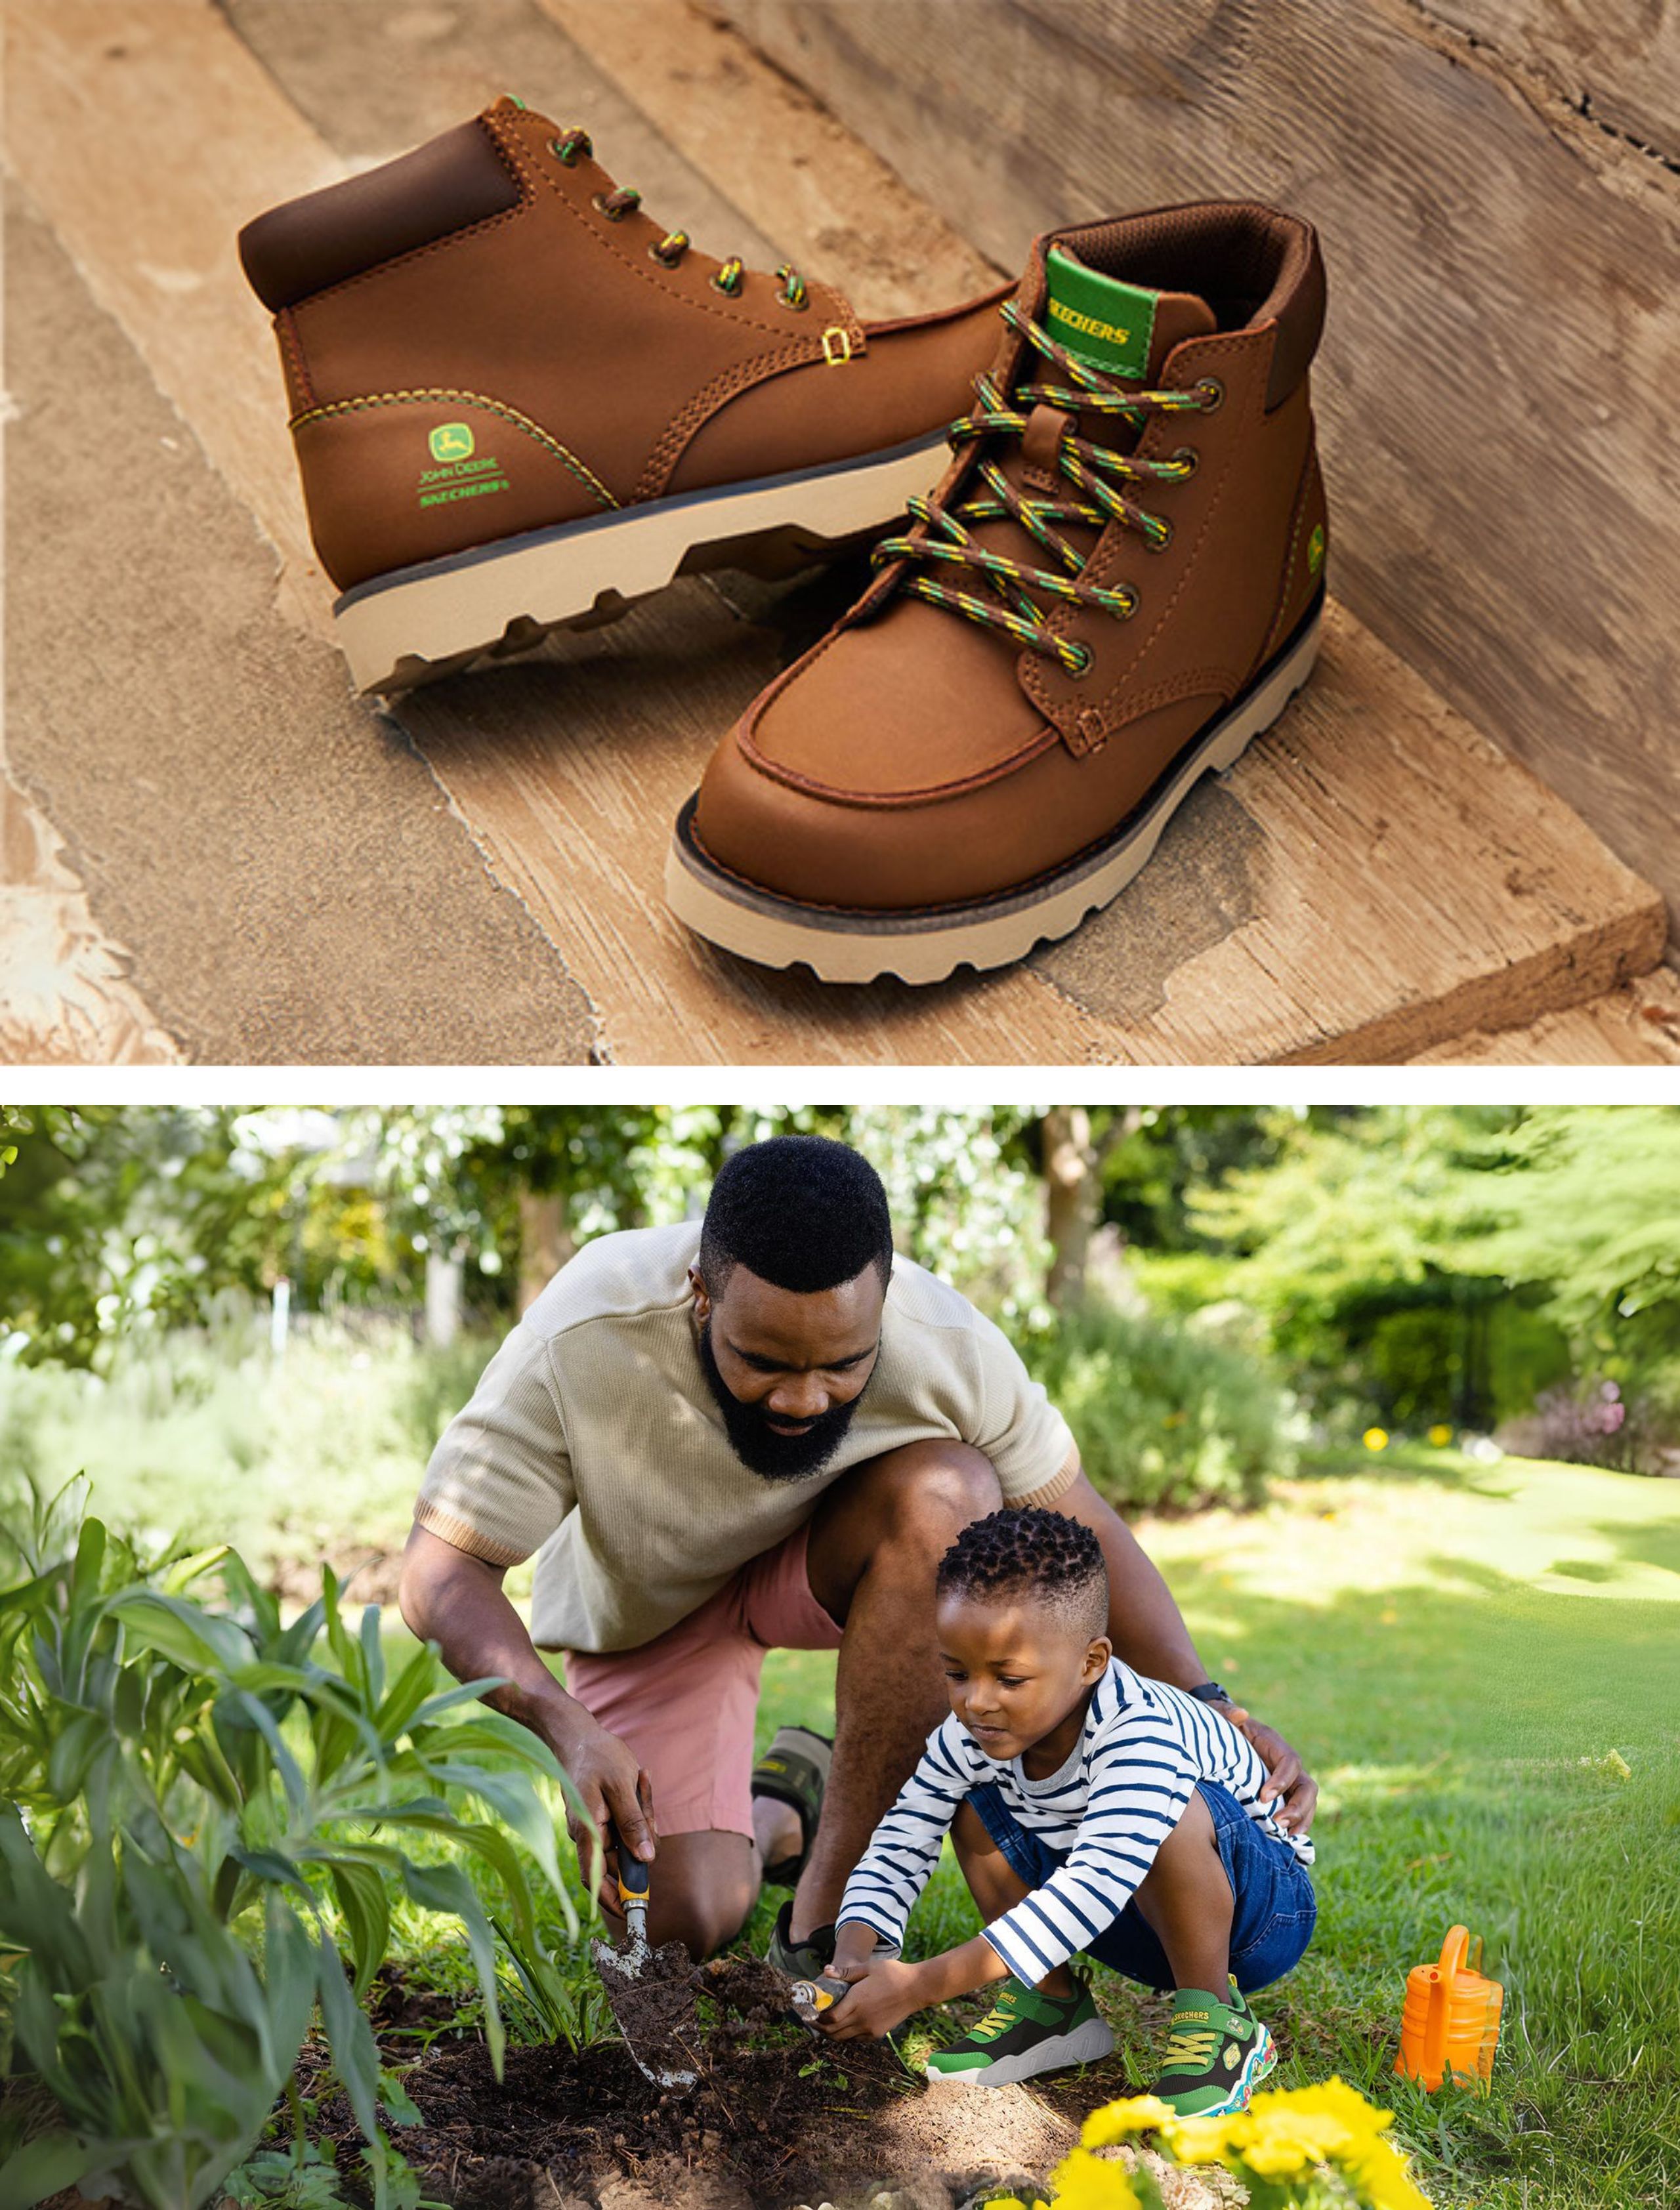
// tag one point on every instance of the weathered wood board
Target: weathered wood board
(278, 880)
(1617, 63)
(1496, 386)
(1372, 881)
(1638, 1025)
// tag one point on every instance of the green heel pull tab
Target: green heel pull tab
(1105, 322)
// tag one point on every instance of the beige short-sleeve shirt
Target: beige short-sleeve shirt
(593, 1439)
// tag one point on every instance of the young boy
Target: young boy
(1091, 1811)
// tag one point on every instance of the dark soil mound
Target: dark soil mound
(654, 2007)
(774, 2121)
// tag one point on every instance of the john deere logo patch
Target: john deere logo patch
(451, 441)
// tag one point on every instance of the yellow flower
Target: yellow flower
(1376, 1439)
(1440, 1434)
(1381, 2176)
(1275, 2141)
(1201, 2141)
(1332, 2098)
(1115, 2121)
(1084, 2181)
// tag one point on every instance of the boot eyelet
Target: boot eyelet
(1160, 544)
(730, 291)
(794, 306)
(1216, 394)
(612, 213)
(663, 259)
(1082, 667)
(1188, 453)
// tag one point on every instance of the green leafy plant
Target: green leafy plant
(197, 1801)
(1166, 1416)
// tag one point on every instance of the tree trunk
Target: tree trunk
(1073, 1161)
(545, 1242)
(1070, 1202)
(443, 1298)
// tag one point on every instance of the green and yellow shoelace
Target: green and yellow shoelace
(1095, 471)
(570, 145)
(999, 2019)
(1191, 2044)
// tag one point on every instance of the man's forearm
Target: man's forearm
(459, 1603)
(1145, 1624)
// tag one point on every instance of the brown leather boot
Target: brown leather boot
(1117, 587)
(518, 403)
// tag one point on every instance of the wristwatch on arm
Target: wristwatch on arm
(1210, 1691)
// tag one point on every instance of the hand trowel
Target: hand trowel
(650, 1992)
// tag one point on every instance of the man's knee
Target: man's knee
(703, 1887)
(930, 1491)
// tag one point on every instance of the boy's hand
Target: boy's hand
(884, 1992)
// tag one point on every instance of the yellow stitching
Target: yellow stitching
(584, 474)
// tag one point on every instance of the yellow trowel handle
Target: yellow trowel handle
(814, 1996)
(632, 1874)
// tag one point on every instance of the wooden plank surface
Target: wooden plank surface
(1496, 390)
(1638, 1025)
(1371, 882)
(1615, 62)
(286, 881)
(67, 996)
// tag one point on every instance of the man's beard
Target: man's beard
(757, 1444)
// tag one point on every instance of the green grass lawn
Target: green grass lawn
(1457, 1650)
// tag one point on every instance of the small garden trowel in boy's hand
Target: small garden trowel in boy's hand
(809, 1999)
(651, 1991)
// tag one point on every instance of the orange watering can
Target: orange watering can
(1451, 2023)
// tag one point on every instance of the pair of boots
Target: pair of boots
(519, 404)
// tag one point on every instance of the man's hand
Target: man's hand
(884, 1991)
(1284, 1777)
(610, 1784)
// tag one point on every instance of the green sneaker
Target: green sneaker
(1218, 2054)
(1022, 2034)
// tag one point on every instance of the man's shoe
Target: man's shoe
(518, 403)
(1022, 2034)
(800, 1960)
(1116, 588)
(795, 1771)
(1218, 2055)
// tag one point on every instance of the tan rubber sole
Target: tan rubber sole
(434, 620)
(842, 946)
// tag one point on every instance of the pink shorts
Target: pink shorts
(687, 1701)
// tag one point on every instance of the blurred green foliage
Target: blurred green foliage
(1409, 1266)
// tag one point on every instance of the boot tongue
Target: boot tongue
(1124, 329)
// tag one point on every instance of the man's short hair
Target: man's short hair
(1046, 1555)
(801, 1212)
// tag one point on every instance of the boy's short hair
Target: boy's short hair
(1047, 1556)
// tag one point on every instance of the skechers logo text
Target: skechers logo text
(1088, 325)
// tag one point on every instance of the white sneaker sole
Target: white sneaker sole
(847, 946)
(418, 622)
(1083, 2045)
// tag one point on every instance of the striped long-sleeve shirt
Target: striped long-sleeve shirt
(1121, 1793)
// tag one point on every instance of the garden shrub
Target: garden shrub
(1168, 1413)
(204, 1820)
(202, 1432)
